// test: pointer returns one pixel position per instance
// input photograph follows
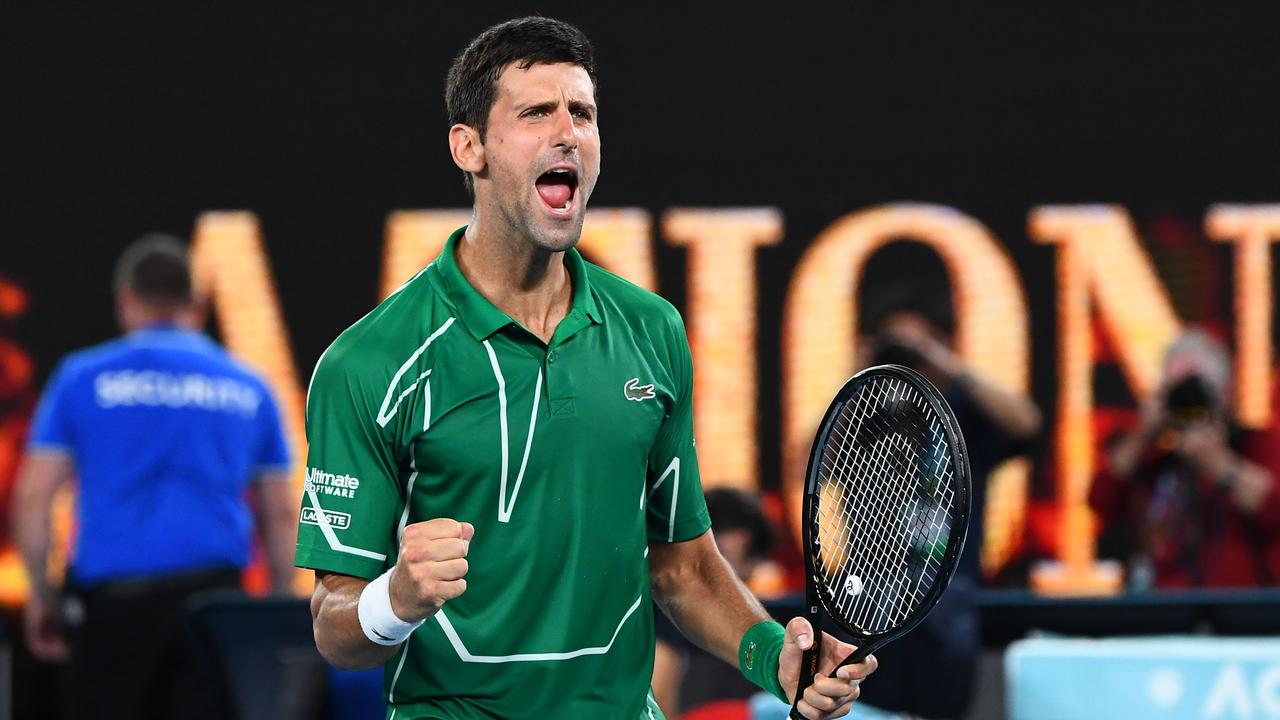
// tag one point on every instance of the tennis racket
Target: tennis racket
(886, 510)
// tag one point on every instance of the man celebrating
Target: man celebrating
(502, 462)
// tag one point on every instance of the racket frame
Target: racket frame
(815, 605)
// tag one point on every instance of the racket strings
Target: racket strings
(888, 452)
(884, 505)
(851, 505)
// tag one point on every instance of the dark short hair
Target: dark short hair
(157, 269)
(905, 276)
(733, 509)
(890, 300)
(472, 83)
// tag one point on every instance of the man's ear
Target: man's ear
(466, 148)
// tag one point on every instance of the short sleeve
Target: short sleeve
(677, 510)
(351, 496)
(52, 425)
(272, 449)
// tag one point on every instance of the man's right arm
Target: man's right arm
(41, 475)
(1127, 452)
(430, 570)
(49, 463)
(339, 637)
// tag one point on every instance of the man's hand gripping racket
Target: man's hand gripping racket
(886, 511)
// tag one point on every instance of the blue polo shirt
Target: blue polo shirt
(166, 431)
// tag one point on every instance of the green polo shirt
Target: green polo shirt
(569, 458)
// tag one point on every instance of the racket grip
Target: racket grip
(808, 668)
(859, 654)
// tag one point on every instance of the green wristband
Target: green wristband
(758, 656)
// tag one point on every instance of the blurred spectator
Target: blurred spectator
(931, 671)
(1192, 495)
(17, 398)
(32, 682)
(745, 537)
(164, 431)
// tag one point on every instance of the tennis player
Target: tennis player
(502, 467)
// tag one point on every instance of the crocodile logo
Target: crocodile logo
(633, 390)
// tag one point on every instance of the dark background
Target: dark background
(323, 118)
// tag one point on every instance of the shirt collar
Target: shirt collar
(168, 334)
(480, 316)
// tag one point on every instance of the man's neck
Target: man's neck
(527, 283)
(148, 320)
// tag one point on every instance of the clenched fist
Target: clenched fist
(431, 567)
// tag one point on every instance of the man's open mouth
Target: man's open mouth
(557, 188)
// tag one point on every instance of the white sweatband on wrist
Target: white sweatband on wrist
(379, 622)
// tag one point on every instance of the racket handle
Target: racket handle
(858, 655)
(808, 668)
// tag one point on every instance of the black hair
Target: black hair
(901, 277)
(472, 83)
(733, 509)
(157, 269)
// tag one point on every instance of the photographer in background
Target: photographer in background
(1195, 495)
(910, 323)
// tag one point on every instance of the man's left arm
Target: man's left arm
(277, 515)
(1014, 413)
(1247, 477)
(696, 587)
(276, 501)
(42, 473)
(48, 464)
(698, 590)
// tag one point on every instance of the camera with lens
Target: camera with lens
(891, 351)
(1192, 400)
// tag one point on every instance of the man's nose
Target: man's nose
(564, 130)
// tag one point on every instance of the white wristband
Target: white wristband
(379, 622)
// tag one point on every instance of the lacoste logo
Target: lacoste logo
(335, 520)
(751, 654)
(635, 391)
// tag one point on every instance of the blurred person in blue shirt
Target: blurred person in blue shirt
(164, 434)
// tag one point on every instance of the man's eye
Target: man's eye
(534, 113)
(583, 114)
